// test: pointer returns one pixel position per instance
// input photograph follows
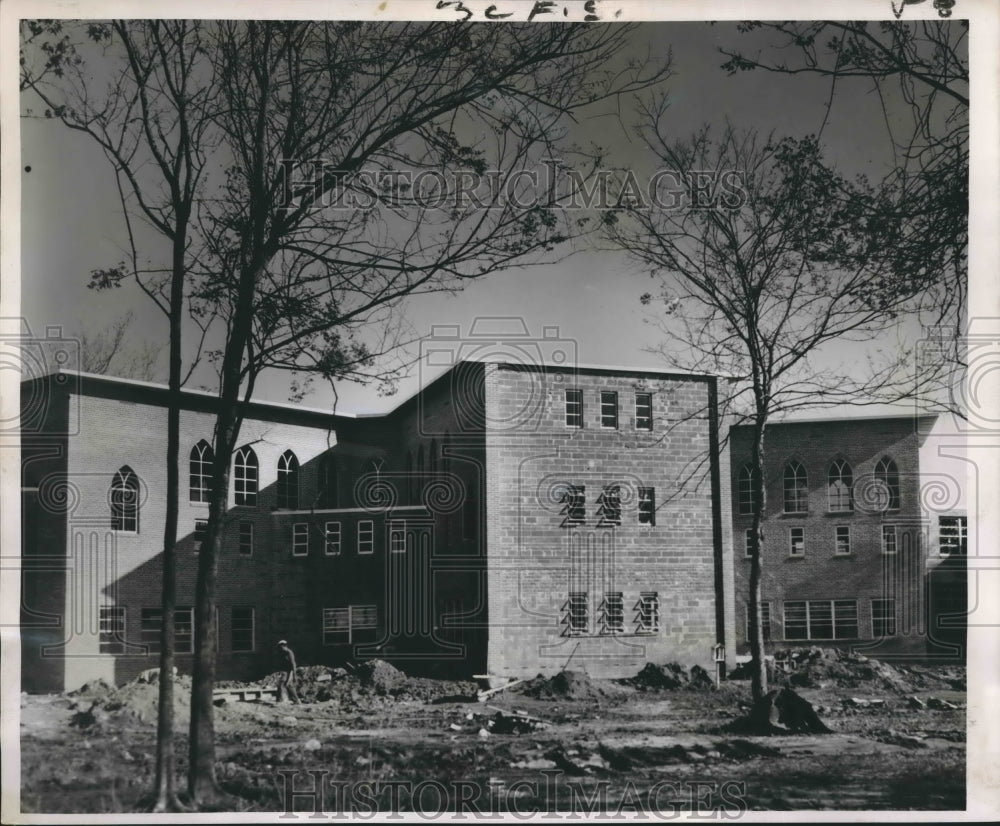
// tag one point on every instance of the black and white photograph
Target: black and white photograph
(500, 411)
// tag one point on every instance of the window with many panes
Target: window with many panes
(366, 536)
(288, 481)
(242, 629)
(888, 539)
(647, 613)
(245, 476)
(647, 506)
(611, 619)
(610, 505)
(246, 538)
(609, 409)
(821, 619)
(883, 618)
(574, 501)
(576, 619)
(300, 539)
(112, 629)
(200, 471)
(331, 538)
(887, 473)
(124, 499)
(349, 623)
(840, 481)
(574, 408)
(796, 488)
(842, 539)
(746, 490)
(151, 626)
(953, 535)
(796, 542)
(643, 411)
(765, 619)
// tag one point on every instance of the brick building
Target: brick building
(864, 542)
(505, 520)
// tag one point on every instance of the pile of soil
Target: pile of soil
(97, 702)
(780, 711)
(566, 685)
(670, 676)
(818, 666)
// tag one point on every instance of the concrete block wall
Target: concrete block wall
(535, 560)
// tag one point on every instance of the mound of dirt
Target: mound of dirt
(780, 711)
(816, 666)
(381, 677)
(669, 677)
(566, 685)
(136, 700)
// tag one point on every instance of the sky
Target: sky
(71, 221)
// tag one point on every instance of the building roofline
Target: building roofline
(833, 419)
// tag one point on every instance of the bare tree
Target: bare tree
(150, 123)
(329, 139)
(919, 71)
(766, 271)
(108, 351)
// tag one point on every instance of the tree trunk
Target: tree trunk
(755, 631)
(165, 791)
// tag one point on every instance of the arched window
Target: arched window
(124, 498)
(840, 480)
(328, 482)
(796, 488)
(746, 490)
(887, 473)
(202, 457)
(245, 476)
(288, 481)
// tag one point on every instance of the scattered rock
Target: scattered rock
(483, 734)
(311, 745)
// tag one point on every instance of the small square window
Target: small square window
(843, 540)
(888, 539)
(796, 542)
(647, 613)
(609, 409)
(647, 506)
(575, 614)
(611, 505)
(246, 538)
(331, 538)
(366, 536)
(300, 539)
(200, 529)
(643, 411)
(612, 619)
(574, 505)
(574, 408)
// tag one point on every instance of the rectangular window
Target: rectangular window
(883, 618)
(647, 613)
(242, 628)
(609, 409)
(574, 408)
(796, 542)
(348, 624)
(643, 411)
(765, 619)
(575, 614)
(366, 536)
(821, 619)
(953, 536)
(300, 539)
(331, 538)
(151, 625)
(748, 542)
(397, 538)
(200, 529)
(888, 539)
(574, 505)
(612, 618)
(112, 629)
(246, 538)
(843, 540)
(611, 505)
(647, 506)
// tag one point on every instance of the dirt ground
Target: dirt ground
(663, 741)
